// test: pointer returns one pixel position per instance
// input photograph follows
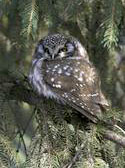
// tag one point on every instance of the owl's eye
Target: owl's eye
(64, 49)
(46, 50)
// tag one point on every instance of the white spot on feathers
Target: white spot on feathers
(76, 70)
(80, 79)
(57, 85)
(67, 74)
(56, 66)
(81, 85)
(52, 79)
(36, 78)
(72, 90)
(65, 67)
(59, 71)
(96, 94)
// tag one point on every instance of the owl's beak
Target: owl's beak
(53, 56)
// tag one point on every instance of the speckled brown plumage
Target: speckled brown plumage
(61, 70)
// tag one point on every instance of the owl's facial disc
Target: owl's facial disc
(55, 46)
(42, 52)
(56, 52)
(65, 50)
(39, 52)
(70, 48)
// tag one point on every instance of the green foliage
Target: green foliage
(29, 18)
(111, 34)
(56, 13)
(7, 153)
(58, 132)
(111, 23)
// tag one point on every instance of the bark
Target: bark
(110, 135)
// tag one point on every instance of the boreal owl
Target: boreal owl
(61, 70)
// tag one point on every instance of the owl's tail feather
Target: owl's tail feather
(86, 113)
(104, 104)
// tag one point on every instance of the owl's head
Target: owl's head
(58, 46)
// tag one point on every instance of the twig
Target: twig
(118, 139)
(28, 122)
(69, 165)
(119, 128)
(21, 139)
(18, 91)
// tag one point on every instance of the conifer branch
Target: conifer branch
(7, 152)
(33, 8)
(74, 159)
(18, 91)
(29, 16)
(111, 24)
(118, 139)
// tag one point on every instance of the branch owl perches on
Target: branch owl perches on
(61, 70)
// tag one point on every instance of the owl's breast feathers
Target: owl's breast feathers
(77, 83)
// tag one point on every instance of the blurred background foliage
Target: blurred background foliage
(100, 26)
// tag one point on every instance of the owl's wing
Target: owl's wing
(76, 82)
